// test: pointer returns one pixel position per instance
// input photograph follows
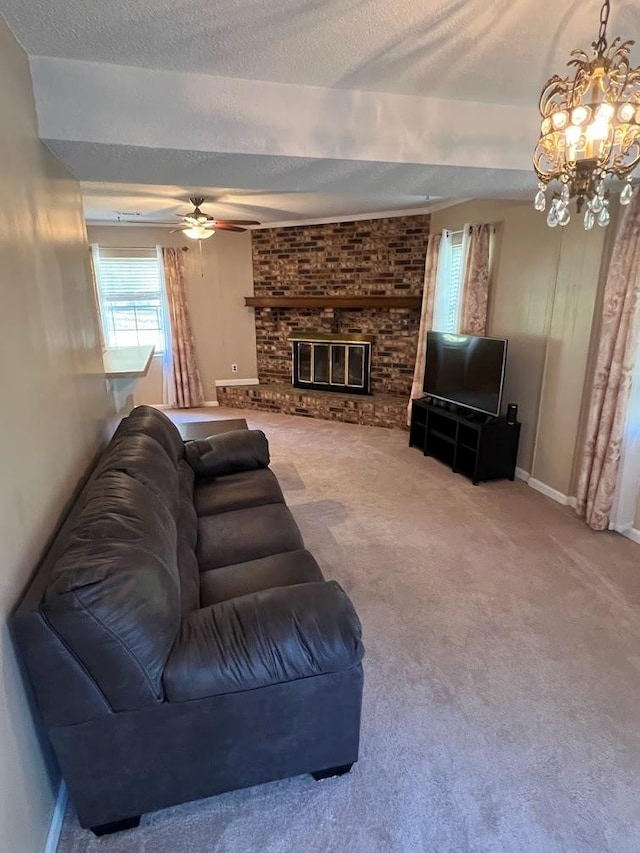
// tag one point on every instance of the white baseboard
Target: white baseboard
(633, 534)
(228, 383)
(205, 405)
(55, 827)
(521, 474)
(628, 531)
(554, 494)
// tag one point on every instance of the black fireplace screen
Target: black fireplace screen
(332, 363)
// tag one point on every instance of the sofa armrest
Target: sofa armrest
(268, 637)
(228, 453)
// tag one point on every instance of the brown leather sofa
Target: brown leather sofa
(179, 639)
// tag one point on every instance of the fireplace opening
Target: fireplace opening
(332, 363)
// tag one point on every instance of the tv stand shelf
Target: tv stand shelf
(479, 446)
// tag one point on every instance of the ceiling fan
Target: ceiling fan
(200, 226)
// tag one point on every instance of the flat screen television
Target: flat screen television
(466, 370)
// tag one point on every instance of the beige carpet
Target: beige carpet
(502, 696)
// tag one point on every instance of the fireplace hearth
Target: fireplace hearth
(337, 362)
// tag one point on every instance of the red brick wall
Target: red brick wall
(380, 257)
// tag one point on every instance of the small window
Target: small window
(448, 299)
(131, 297)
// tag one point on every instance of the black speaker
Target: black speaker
(512, 413)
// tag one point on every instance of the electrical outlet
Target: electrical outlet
(234, 368)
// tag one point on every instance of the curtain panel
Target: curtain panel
(616, 362)
(475, 285)
(182, 385)
(426, 316)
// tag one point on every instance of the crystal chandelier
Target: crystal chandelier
(590, 131)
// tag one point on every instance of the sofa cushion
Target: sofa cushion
(237, 491)
(246, 534)
(266, 638)
(154, 423)
(186, 479)
(238, 450)
(114, 596)
(189, 577)
(287, 569)
(141, 457)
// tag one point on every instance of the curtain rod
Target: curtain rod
(139, 248)
(493, 225)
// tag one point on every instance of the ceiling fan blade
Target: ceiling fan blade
(237, 222)
(176, 231)
(223, 226)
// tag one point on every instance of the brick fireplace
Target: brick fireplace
(375, 263)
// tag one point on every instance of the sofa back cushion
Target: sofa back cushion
(142, 458)
(187, 523)
(114, 593)
(154, 423)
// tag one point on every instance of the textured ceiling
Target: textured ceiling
(130, 203)
(332, 188)
(486, 50)
(304, 108)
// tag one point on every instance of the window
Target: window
(130, 286)
(448, 299)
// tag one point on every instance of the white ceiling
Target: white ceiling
(478, 50)
(161, 205)
(314, 107)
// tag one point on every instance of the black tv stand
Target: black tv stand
(479, 446)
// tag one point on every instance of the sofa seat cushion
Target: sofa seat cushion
(287, 569)
(269, 637)
(114, 593)
(246, 534)
(237, 491)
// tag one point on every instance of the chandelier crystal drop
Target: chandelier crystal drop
(590, 131)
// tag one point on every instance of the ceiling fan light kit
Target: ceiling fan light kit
(198, 232)
(590, 132)
(198, 225)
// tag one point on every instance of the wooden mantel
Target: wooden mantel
(412, 302)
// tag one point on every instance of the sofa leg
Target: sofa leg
(116, 826)
(319, 775)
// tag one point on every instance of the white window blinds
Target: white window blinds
(448, 298)
(131, 297)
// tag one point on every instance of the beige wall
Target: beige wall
(224, 330)
(543, 293)
(54, 406)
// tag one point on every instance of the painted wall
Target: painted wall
(543, 293)
(56, 407)
(223, 328)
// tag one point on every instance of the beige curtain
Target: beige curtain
(426, 315)
(183, 388)
(615, 363)
(475, 287)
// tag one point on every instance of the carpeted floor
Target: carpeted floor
(502, 695)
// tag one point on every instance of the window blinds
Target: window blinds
(448, 298)
(130, 293)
